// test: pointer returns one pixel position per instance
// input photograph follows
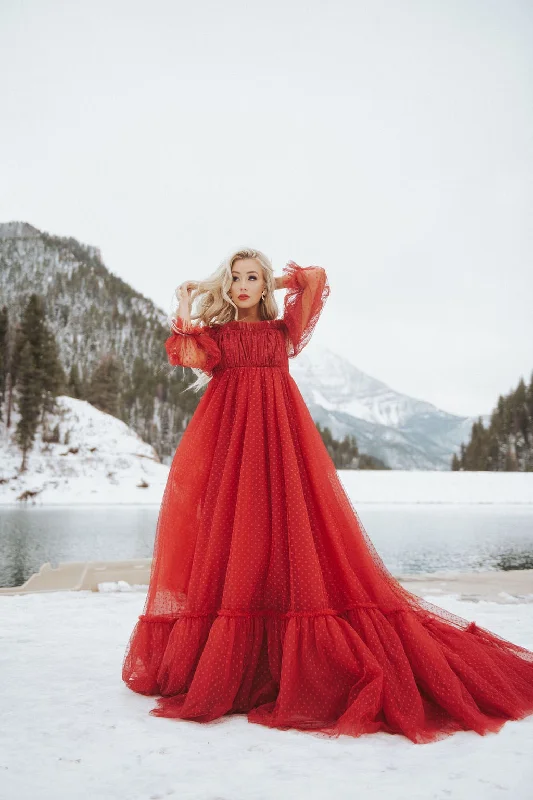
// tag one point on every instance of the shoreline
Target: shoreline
(156, 503)
(141, 482)
(496, 586)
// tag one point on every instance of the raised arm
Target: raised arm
(307, 291)
(192, 346)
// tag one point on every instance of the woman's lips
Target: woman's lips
(243, 297)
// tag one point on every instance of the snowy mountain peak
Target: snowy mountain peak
(337, 384)
(406, 433)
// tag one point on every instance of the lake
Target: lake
(409, 538)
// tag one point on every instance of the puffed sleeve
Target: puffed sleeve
(192, 346)
(307, 291)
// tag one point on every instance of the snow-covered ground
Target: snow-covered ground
(421, 486)
(72, 729)
(105, 462)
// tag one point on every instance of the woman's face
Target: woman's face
(247, 283)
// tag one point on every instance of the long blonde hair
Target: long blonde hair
(214, 306)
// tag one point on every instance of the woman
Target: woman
(266, 595)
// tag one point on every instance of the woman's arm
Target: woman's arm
(307, 292)
(183, 293)
(190, 345)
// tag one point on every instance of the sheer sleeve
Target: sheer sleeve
(307, 291)
(192, 346)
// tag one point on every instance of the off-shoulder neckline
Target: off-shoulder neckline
(242, 324)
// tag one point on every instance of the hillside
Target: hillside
(98, 459)
(93, 314)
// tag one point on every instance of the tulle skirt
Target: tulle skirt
(267, 597)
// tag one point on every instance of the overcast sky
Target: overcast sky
(389, 142)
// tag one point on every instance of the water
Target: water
(413, 538)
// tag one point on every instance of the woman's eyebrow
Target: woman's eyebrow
(250, 270)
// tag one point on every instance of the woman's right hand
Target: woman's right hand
(183, 292)
(183, 295)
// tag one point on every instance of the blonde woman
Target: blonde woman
(266, 595)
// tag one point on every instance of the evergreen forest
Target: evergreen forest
(506, 444)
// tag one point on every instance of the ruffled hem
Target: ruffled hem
(359, 671)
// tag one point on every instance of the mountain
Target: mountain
(94, 313)
(404, 432)
(97, 459)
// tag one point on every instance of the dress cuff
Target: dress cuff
(290, 275)
(185, 327)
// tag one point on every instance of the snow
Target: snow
(336, 384)
(424, 486)
(112, 462)
(104, 461)
(72, 729)
(403, 431)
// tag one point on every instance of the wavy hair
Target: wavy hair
(212, 305)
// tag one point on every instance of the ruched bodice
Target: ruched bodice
(251, 344)
(267, 343)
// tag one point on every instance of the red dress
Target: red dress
(267, 597)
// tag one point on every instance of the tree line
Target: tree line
(345, 453)
(506, 445)
(32, 376)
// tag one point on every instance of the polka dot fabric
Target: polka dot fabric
(266, 595)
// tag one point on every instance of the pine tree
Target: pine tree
(74, 385)
(3, 357)
(105, 384)
(28, 401)
(521, 425)
(32, 330)
(345, 453)
(37, 370)
(507, 444)
(528, 466)
(54, 379)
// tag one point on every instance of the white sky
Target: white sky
(390, 142)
